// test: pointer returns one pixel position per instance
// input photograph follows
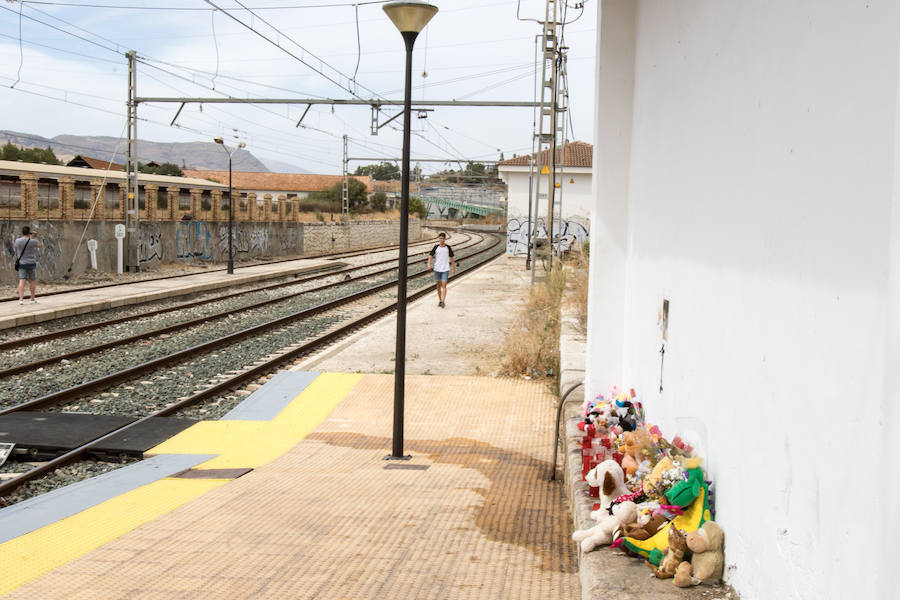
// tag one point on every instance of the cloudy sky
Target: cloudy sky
(64, 71)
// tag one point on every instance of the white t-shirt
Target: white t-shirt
(441, 256)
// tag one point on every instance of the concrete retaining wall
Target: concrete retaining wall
(64, 243)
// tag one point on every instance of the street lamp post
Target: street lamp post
(220, 141)
(410, 18)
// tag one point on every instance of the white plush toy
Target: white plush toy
(601, 534)
(610, 478)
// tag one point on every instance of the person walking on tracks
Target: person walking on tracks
(444, 266)
(26, 263)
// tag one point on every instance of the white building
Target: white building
(746, 167)
(574, 175)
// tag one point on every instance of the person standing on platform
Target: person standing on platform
(444, 266)
(24, 248)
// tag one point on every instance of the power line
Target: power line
(288, 52)
(99, 45)
(195, 8)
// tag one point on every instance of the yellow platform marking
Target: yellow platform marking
(238, 443)
(249, 444)
(29, 556)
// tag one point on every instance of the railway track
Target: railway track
(45, 330)
(288, 327)
(334, 256)
(40, 354)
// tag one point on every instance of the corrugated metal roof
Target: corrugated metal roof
(573, 154)
(9, 167)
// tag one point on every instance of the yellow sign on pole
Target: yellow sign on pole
(545, 170)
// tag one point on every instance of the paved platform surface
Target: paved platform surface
(13, 314)
(321, 514)
(471, 515)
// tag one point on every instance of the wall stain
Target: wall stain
(521, 506)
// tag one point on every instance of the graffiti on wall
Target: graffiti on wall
(247, 239)
(565, 234)
(193, 239)
(287, 239)
(150, 245)
(49, 256)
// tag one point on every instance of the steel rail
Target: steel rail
(12, 484)
(135, 371)
(335, 255)
(51, 335)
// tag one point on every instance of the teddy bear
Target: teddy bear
(674, 554)
(708, 547)
(683, 575)
(610, 478)
(601, 534)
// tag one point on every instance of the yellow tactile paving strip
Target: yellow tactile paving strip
(249, 444)
(326, 520)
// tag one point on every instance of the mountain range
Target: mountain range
(191, 155)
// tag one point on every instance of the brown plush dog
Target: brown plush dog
(645, 531)
(674, 554)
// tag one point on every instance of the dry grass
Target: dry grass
(577, 298)
(531, 346)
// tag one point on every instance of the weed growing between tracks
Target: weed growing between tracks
(531, 346)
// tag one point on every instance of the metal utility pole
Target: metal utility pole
(546, 135)
(132, 198)
(562, 110)
(345, 185)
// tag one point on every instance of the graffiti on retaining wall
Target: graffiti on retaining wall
(193, 239)
(254, 240)
(150, 246)
(246, 239)
(48, 256)
(287, 239)
(565, 234)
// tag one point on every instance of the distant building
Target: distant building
(289, 185)
(574, 175)
(86, 162)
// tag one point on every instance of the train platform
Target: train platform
(57, 305)
(290, 495)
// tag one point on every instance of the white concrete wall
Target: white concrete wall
(757, 191)
(575, 183)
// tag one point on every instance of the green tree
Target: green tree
(166, 168)
(9, 152)
(358, 198)
(382, 172)
(417, 207)
(378, 201)
(30, 155)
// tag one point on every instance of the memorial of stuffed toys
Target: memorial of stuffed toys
(653, 499)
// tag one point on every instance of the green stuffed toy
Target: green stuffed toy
(696, 513)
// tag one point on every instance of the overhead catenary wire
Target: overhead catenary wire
(286, 51)
(196, 8)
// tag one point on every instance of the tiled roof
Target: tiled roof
(280, 182)
(575, 154)
(94, 163)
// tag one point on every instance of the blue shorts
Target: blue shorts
(27, 271)
(441, 275)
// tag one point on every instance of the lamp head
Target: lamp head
(218, 140)
(241, 145)
(410, 16)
